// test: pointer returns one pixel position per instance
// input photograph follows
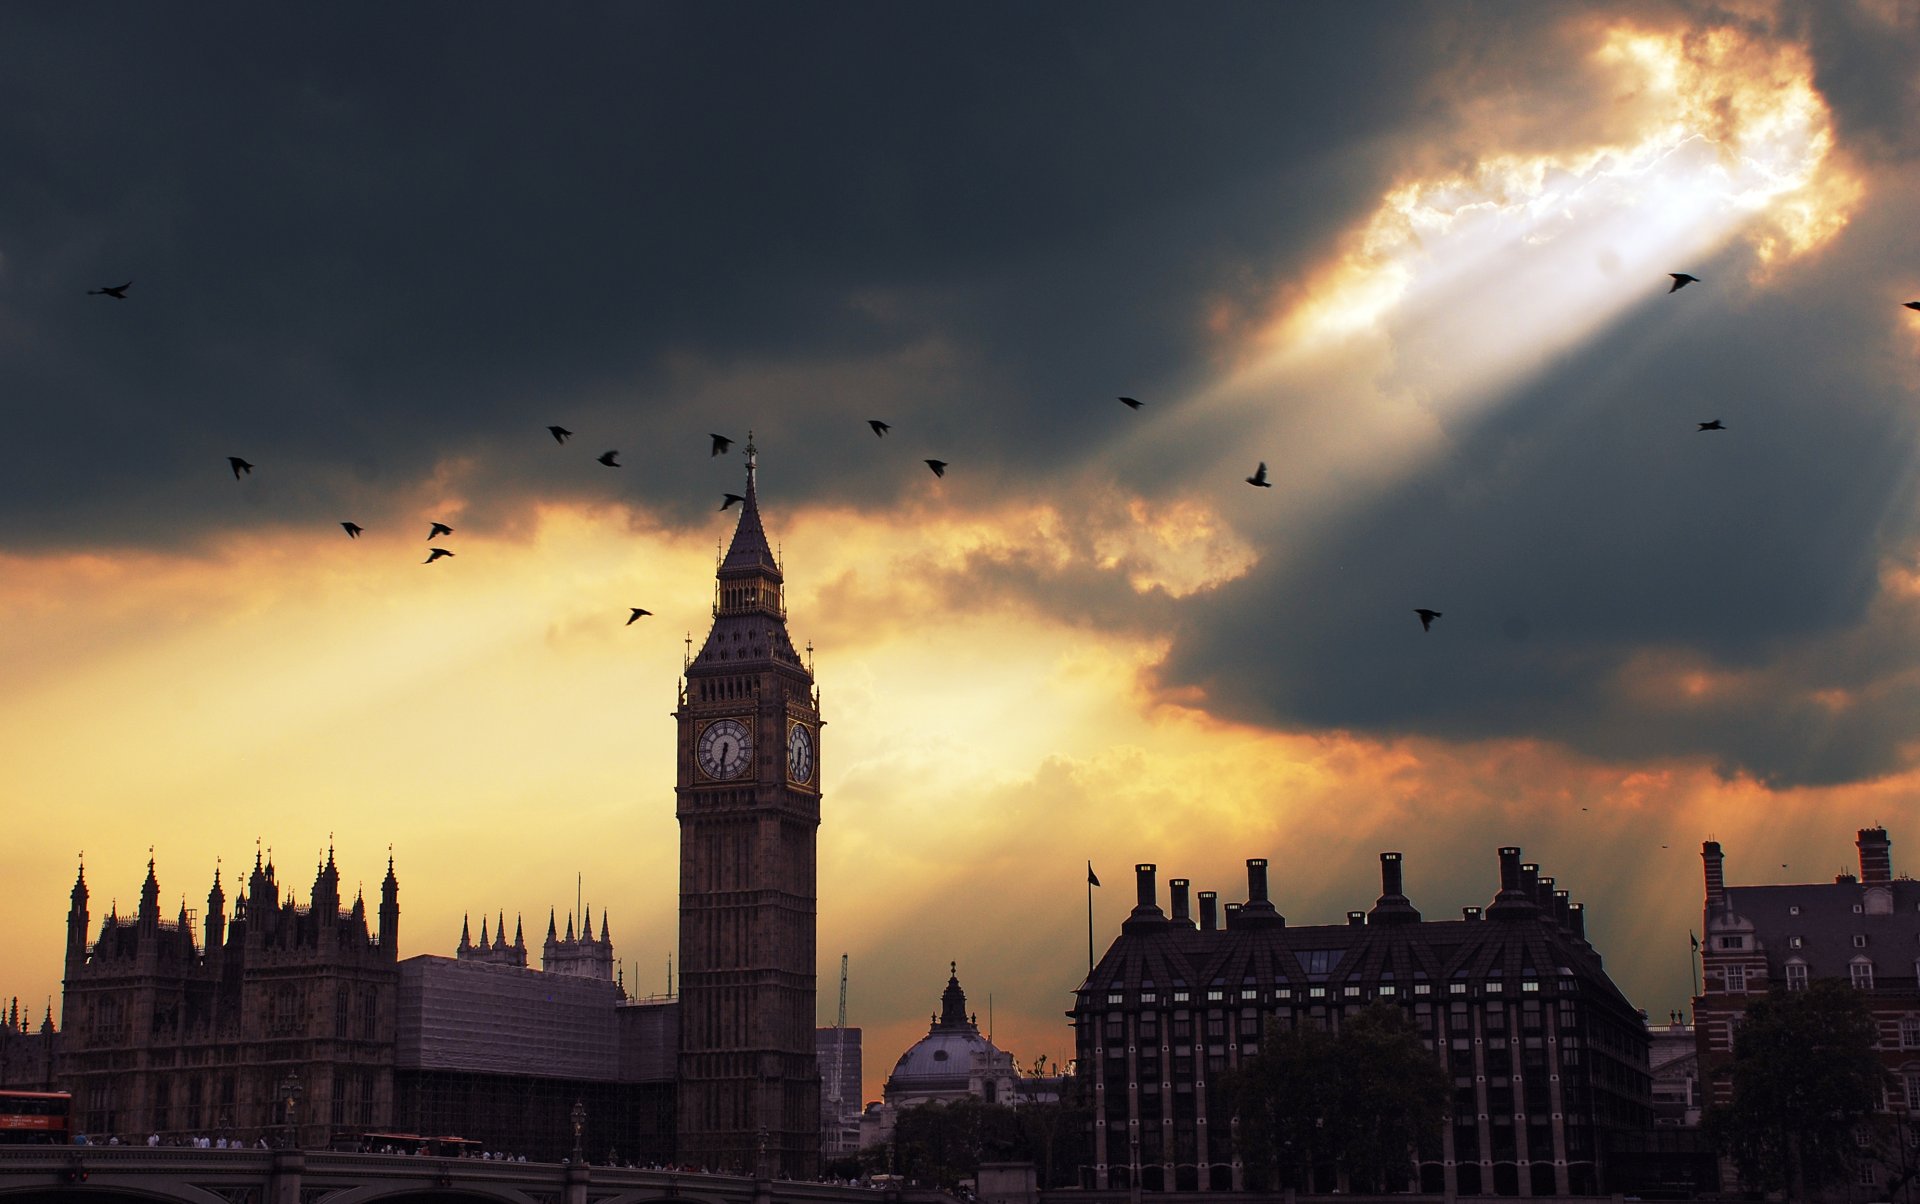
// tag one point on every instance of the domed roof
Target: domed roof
(942, 1060)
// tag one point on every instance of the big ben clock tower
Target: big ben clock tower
(748, 800)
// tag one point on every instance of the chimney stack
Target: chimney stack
(1232, 916)
(1392, 906)
(1876, 856)
(1577, 920)
(1146, 911)
(1259, 911)
(1356, 919)
(1515, 900)
(1209, 911)
(1716, 877)
(1470, 913)
(1177, 890)
(1562, 908)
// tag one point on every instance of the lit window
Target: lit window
(1116, 999)
(1456, 988)
(1215, 996)
(1529, 985)
(1249, 993)
(1352, 992)
(1149, 997)
(1421, 988)
(1386, 988)
(1494, 987)
(1179, 996)
(1317, 992)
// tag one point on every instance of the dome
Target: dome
(943, 1063)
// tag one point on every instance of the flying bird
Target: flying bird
(1681, 280)
(1426, 624)
(610, 458)
(880, 428)
(720, 443)
(1130, 403)
(939, 467)
(239, 466)
(1715, 425)
(1911, 304)
(729, 499)
(117, 291)
(638, 611)
(439, 529)
(1259, 477)
(352, 529)
(559, 433)
(436, 554)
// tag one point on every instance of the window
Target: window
(1322, 961)
(1216, 996)
(1736, 978)
(1794, 910)
(1909, 1032)
(1116, 998)
(1862, 975)
(1796, 942)
(1796, 976)
(1912, 1083)
(1859, 940)
(1529, 985)
(1494, 986)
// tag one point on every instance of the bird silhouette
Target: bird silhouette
(117, 291)
(880, 428)
(720, 443)
(939, 467)
(610, 458)
(239, 466)
(439, 529)
(1911, 304)
(560, 433)
(1426, 623)
(729, 499)
(637, 613)
(436, 554)
(1130, 403)
(1681, 280)
(352, 529)
(1259, 477)
(1715, 425)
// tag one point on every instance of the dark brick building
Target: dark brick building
(1862, 929)
(1548, 1059)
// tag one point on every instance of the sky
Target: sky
(1414, 257)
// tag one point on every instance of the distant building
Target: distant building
(954, 1061)
(840, 1090)
(27, 1053)
(280, 1025)
(500, 1053)
(1861, 929)
(1673, 1056)
(1547, 1058)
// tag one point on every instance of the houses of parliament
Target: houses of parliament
(289, 1021)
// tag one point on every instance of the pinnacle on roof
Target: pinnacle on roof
(551, 930)
(485, 944)
(519, 938)
(466, 939)
(569, 925)
(603, 927)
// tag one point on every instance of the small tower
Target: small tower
(77, 923)
(390, 914)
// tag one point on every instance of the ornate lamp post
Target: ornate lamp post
(579, 1118)
(290, 1092)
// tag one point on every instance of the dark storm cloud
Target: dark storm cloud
(1588, 547)
(365, 239)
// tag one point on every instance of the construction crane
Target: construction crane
(840, 1047)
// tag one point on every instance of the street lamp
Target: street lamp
(290, 1092)
(579, 1118)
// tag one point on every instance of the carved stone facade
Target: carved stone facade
(165, 1034)
(748, 801)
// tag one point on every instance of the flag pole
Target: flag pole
(1693, 962)
(1092, 882)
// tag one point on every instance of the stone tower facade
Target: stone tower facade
(748, 801)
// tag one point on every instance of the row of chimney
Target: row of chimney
(1524, 894)
(1876, 865)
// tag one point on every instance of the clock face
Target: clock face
(799, 754)
(724, 748)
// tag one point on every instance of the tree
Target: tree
(940, 1144)
(1312, 1105)
(1805, 1082)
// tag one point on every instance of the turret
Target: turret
(149, 916)
(390, 915)
(216, 922)
(77, 923)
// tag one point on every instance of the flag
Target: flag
(1091, 880)
(1695, 940)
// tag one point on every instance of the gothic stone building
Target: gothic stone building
(171, 1035)
(748, 801)
(1548, 1059)
(1860, 929)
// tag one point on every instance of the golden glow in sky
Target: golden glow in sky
(986, 661)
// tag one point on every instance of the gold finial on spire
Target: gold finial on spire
(753, 460)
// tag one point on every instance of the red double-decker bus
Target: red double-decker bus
(36, 1118)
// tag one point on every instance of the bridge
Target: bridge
(125, 1174)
